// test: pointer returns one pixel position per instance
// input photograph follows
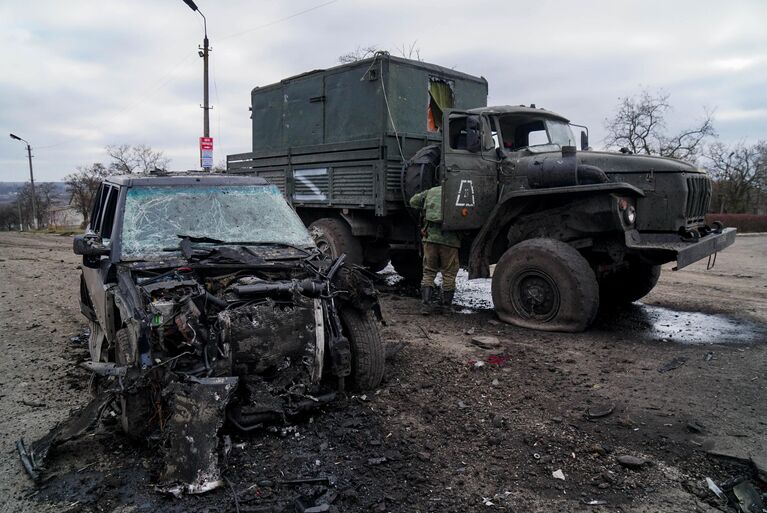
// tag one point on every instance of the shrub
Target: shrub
(745, 223)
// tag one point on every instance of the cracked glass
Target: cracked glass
(155, 217)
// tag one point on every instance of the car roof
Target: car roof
(183, 179)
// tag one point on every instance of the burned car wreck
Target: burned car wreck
(209, 304)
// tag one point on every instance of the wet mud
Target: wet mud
(453, 427)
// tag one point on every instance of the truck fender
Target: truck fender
(512, 204)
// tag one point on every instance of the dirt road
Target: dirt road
(453, 427)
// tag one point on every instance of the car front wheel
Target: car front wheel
(366, 348)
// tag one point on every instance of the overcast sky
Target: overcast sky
(81, 74)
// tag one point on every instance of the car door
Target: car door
(470, 178)
(101, 225)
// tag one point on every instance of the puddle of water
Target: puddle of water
(472, 295)
(664, 324)
(650, 322)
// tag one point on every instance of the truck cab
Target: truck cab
(513, 174)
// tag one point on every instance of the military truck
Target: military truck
(349, 146)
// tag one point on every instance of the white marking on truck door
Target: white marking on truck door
(304, 177)
(465, 194)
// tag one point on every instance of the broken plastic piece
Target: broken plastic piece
(712, 486)
(81, 421)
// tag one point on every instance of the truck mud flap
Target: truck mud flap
(685, 253)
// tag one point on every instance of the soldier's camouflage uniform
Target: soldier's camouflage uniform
(440, 248)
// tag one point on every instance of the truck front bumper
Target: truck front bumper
(671, 246)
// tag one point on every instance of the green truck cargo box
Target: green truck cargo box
(338, 137)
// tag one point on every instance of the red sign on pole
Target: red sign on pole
(206, 152)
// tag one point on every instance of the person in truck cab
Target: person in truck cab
(440, 248)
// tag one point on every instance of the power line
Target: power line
(275, 22)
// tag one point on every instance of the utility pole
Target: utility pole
(31, 179)
(204, 52)
(18, 204)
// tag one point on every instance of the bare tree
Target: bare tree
(135, 159)
(9, 217)
(639, 125)
(44, 193)
(740, 175)
(410, 51)
(82, 186)
(358, 54)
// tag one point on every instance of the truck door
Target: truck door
(470, 180)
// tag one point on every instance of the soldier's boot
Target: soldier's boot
(447, 300)
(426, 293)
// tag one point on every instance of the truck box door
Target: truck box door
(470, 180)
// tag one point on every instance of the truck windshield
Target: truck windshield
(155, 216)
(560, 133)
(536, 133)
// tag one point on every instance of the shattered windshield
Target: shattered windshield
(156, 217)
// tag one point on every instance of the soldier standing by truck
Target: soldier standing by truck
(440, 249)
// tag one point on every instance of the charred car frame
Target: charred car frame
(209, 303)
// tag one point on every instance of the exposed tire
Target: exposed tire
(409, 265)
(629, 284)
(366, 346)
(334, 237)
(545, 284)
(135, 405)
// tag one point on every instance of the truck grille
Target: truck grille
(698, 198)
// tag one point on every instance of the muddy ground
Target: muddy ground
(443, 432)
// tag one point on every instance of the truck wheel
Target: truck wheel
(334, 237)
(366, 347)
(629, 284)
(409, 265)
(545, 284)
(376, 256)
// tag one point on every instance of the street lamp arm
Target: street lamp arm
(14, 136)
(193, 6)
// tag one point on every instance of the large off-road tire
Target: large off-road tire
(409, 265)
(334, 237)
(545, 284)
(366, 346)
(629, 284)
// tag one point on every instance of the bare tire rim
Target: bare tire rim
(535, 295)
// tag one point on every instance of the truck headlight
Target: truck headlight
(630, 214)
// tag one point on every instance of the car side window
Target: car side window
(98, 208)
(108, 217)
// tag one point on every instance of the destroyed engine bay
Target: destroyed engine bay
(227, 338)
